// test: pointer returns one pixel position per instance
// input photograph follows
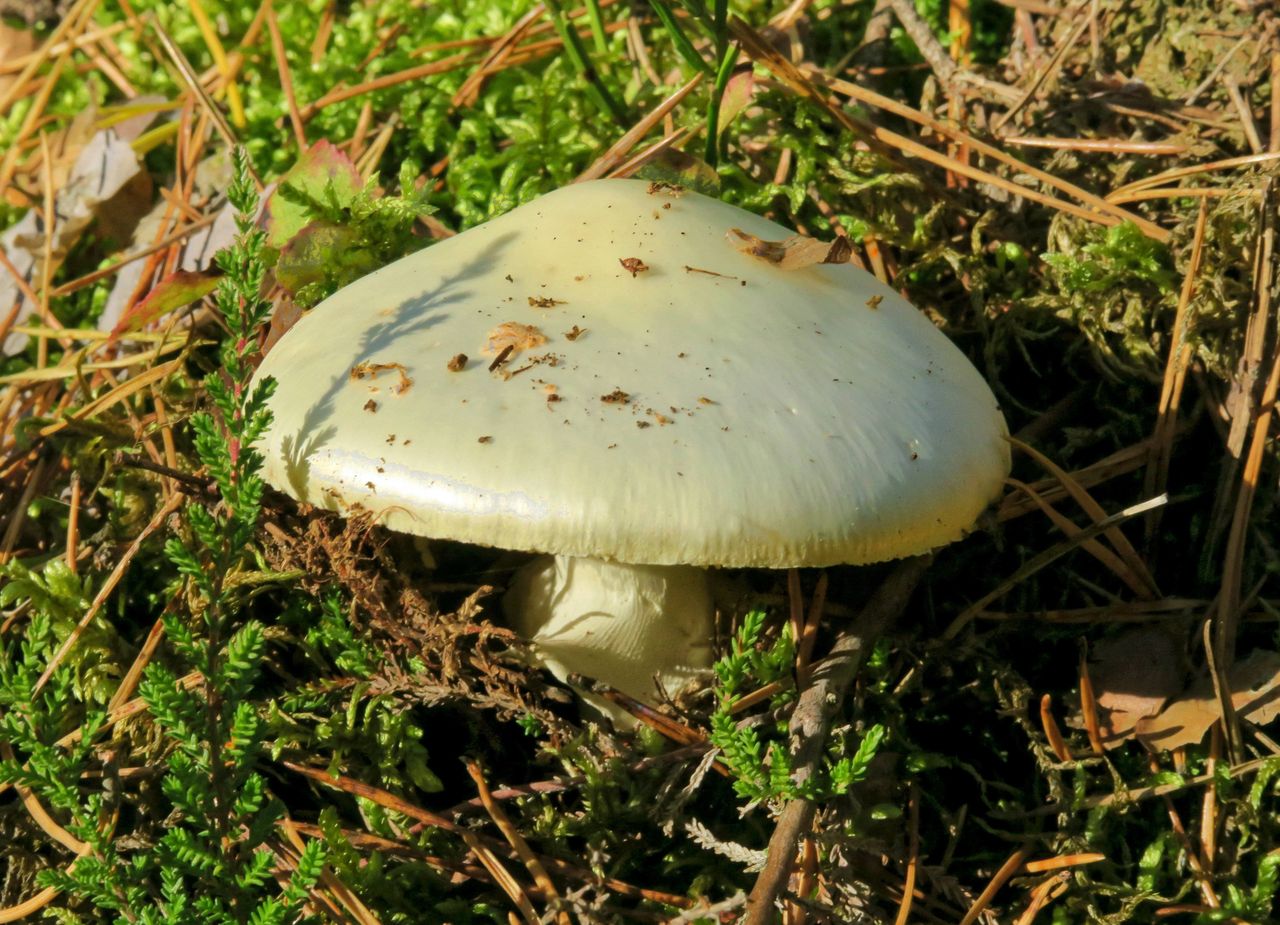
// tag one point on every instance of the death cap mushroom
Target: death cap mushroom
(605, 374)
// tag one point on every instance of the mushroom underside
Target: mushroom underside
(645, 630)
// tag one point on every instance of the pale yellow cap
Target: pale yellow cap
(710, 409)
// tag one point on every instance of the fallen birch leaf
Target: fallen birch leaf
(1134, 674)
(1255, 695)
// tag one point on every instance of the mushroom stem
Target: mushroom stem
(637, 628)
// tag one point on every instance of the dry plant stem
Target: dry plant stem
(1175, 377)
(1050, 68)
(950, 74)
(516, 841)
(913, 857)
(811, 720)
(1007, 870)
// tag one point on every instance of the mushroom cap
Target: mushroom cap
(710, 409)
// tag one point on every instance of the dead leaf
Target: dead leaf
(286, 314)
(793, 253)
(1255, 695)
(102, 169)
(515, 335)
(1133, 675)
(367, 370)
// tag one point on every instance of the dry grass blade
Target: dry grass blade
(1181, 173)
(175, 501)
(219, 55)
(125, 389)
(1233, 558)
(1106, 145)
(1105, 556)
(469, 92)
(1122, 462)
(337, 95)
(286, 78)
(1175, 377)
(1119, 542)
(612, 157)
(1047, 557)
(192, 80)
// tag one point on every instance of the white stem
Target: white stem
(631, 626)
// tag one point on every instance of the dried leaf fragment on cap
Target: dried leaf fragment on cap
(367, 370)
(633, 265)
(515, 335)
(793, 253)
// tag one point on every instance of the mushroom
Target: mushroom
(636, 428)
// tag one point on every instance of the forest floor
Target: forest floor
(219, 705)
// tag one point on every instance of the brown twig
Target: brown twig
(815, 709)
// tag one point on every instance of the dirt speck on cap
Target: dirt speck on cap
(574, 333)
(616, 397)
(371, 406)
(457, 363)
(544, 301)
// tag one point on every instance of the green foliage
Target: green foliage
(760, 763)
(212, 863)
(1118, 256)
(332, 233)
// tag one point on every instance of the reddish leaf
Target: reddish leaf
(174, 291)
(322, 167)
